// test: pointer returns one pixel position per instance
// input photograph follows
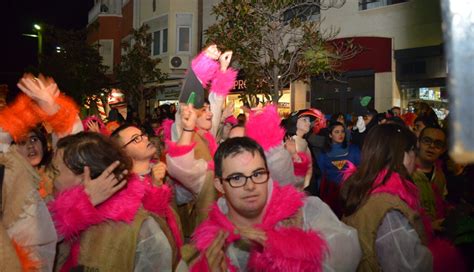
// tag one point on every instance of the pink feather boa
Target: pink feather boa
(446, 257)
(265, 128)
(223, 82)
(308, 248)
(166, 127)
(73, 212)
(204, 68)
(175, 150)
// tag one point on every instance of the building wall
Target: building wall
(171, 8)
(415, 23)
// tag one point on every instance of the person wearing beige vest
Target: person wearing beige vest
(382, 203)
(133, 230)
(192, 145)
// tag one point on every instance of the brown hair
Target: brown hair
(93, 150)
(384, 148)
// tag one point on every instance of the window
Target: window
(303, 11)
(370, 4)
(184, 34)
(183, 29)
(159, 32)
(160, 42)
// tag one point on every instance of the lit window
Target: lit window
(370, 4)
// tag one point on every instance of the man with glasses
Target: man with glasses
(258, 225)
(428, 175)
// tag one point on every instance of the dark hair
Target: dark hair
(396, 120)
(93, 150)
(115, 135)
(383, 148)
(436, 128)
(234, 146)
(428, 121)
(327, 139)
(41, 133)
(335, 116)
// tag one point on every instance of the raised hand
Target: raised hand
(212, 52)
(43, 90)
(105, 185)
(188, 117)
(290, 145)
(158, 172)
(225, 59)
(93, 126)
(228, 111)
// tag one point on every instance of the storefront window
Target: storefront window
(436, 97)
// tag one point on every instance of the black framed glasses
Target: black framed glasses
(239, 180)
(429, 141)
(137, 139)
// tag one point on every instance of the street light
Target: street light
(40, 40)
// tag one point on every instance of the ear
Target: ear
(219, 186)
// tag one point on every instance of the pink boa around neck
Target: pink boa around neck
(287, 248)
(223, 82)
(73, 212)
(446, 256)
(205, 68)
(264, 127)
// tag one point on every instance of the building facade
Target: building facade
(402, 58)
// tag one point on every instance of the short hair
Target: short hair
(234, 146)
(428, 121)
(115, 135)
(93, 150)
(422, 132)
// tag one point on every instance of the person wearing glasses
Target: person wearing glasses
(429, 176)
(258, 225)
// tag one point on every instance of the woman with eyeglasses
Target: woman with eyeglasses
(382, 203)
(134, 230)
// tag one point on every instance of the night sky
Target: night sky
(18, 16)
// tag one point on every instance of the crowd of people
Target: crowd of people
(197, 189)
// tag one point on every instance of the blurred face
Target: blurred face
(431, 144)
(337, 135)
(409, 161)
(31, 149)
(367, 119)
(303, 124)
(419, 126)
(249, 200)
(65, 178)
(136, 144)
(396, 111)
(237, 132)
(204, 118)
(341, 119)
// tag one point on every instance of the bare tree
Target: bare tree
(278, 42)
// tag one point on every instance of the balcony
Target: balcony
(105, 7)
